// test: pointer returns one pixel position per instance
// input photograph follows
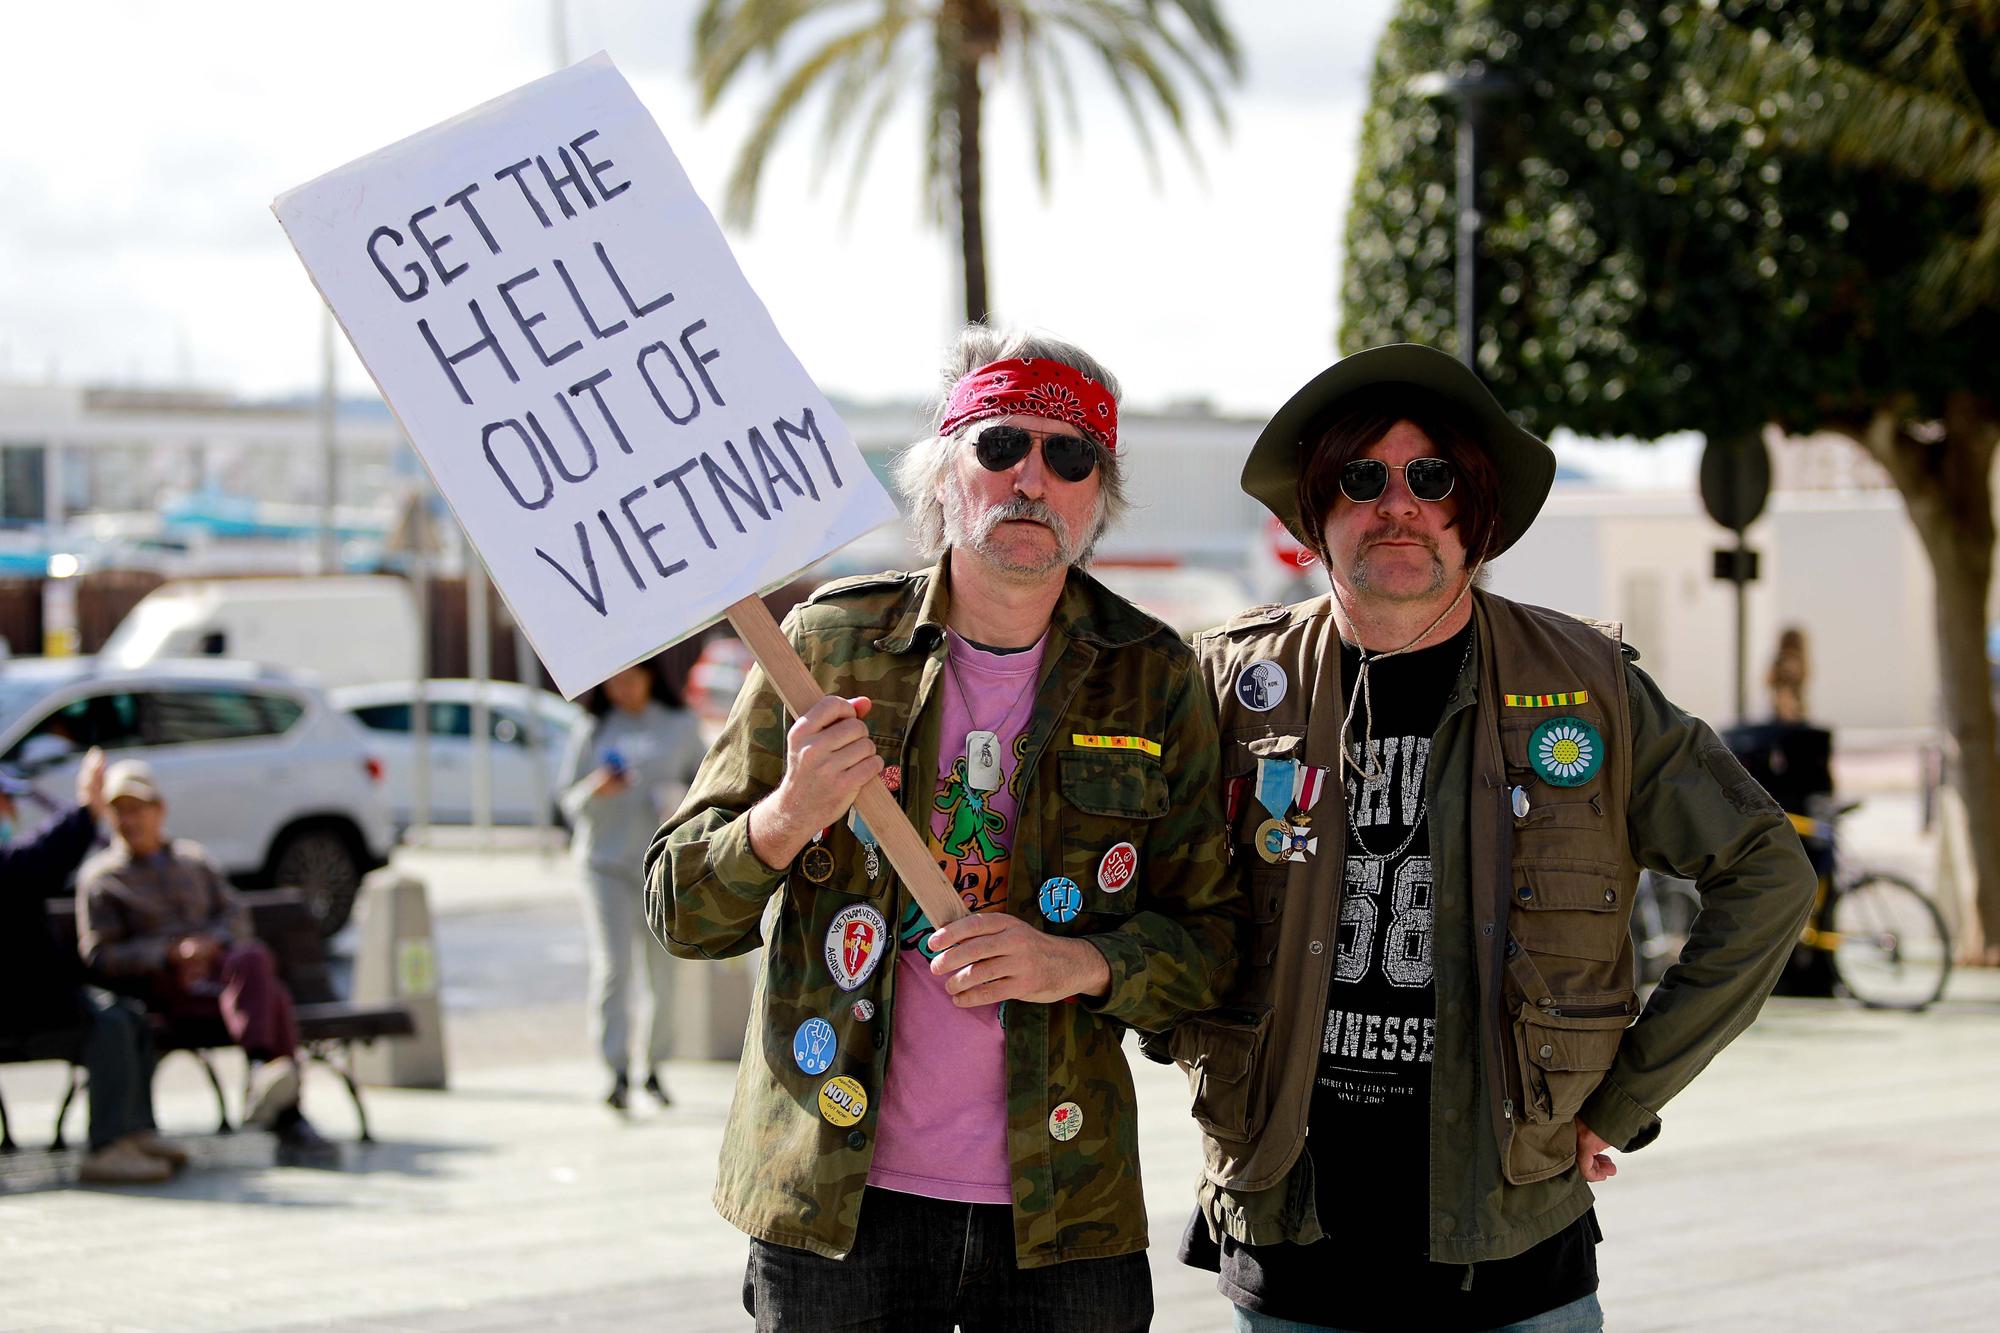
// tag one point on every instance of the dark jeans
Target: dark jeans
(926, 1264)
(118, 1057)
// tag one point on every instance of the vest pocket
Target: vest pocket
(1561, 1058)
(1573, 913)
(1221, 1052)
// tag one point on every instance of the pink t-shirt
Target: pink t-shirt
(943, 1131)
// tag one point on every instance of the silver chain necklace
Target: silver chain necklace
(1423, 808)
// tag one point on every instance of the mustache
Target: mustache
(1025, 507)
(1396, 532)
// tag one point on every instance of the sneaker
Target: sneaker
(149, 1142)
(658, 1089)
(122, 1163)
(299, 1144)
(274, 1090)
(620, 1091)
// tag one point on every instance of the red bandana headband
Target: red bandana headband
(1033, 388)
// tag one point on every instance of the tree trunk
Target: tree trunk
(971, 191)
(1946, 486)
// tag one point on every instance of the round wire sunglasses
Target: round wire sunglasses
(1364, 479)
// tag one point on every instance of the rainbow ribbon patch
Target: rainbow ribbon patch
(1139, 743)
(1546, 700)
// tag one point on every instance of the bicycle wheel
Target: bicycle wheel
(1891, 948)
(1661, 916)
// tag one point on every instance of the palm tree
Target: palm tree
(1920, 102)
(869, 52)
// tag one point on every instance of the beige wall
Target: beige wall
(1847, 568)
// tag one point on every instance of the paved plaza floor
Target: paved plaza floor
(1835, 1169)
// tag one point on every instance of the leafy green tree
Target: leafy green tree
(866, 54)
(1719, 216)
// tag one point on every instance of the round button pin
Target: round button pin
(842, 1101)
(814, 1045)
(1061, 900)
(864, 1009)
(1065, 1122)
(1261, 686)
(1118, 867)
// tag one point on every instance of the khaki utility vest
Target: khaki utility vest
(1547, 894)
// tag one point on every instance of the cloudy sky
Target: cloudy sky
(146, 142)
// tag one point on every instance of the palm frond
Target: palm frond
(858, 77)
(1851, 115)
(726, 37)
(1915, 38)
(1028, 48)
(741, 195)
(889, 91)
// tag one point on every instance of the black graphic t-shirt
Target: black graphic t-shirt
(1370, 1112)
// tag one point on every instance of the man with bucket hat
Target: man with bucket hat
(1439, 801)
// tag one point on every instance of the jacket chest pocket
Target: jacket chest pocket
(1108, 803)
(1558, 764)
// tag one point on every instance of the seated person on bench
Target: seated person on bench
(41, 987)
(155, 915)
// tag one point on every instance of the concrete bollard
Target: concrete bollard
(396, 963)
(711, 1002)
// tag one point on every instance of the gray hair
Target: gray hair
(919, 468)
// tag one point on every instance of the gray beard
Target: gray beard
(966, 531)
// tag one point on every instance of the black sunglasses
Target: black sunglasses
(1070, 457)
(1364, 479)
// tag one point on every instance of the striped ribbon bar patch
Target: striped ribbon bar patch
(1139, 743)
(1547, 700)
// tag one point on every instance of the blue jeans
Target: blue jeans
(1579, 1316)
(923, 1264)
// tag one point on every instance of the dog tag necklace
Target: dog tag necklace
(982, 744)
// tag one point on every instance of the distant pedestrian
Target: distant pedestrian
(41, 987)
(623, 776)
(1787, 677)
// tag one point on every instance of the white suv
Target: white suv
(255, 764)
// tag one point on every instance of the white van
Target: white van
(346, 629)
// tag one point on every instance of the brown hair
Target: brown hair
(1349, 428)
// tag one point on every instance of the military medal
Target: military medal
(1275, 781)
(1270, 840)
(816, 863)
(871, 860)
(982, 761)
(1307, 784)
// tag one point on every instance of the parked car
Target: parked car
(256, 765)
(525, 775)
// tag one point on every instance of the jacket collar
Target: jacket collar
(1087, 610)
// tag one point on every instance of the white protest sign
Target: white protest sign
(558, 323)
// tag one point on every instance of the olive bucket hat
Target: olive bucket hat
(1526, 466)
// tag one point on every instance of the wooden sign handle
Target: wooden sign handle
(899, 839)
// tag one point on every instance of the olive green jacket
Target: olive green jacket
(1531, 954)
(789, 1173)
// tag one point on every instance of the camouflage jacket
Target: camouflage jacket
(797, 1148)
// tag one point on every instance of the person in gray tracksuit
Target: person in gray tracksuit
(623, 775)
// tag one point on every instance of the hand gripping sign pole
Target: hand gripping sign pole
(899, 838)
(607, 406)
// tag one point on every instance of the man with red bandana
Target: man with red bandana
(937, 1126)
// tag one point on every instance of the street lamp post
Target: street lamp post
(1468, 88)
